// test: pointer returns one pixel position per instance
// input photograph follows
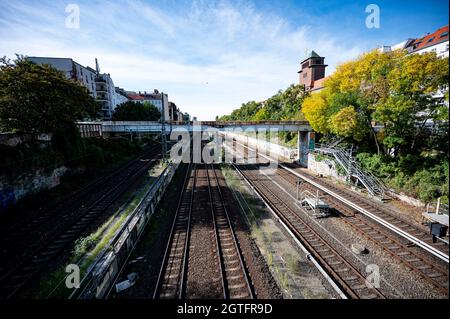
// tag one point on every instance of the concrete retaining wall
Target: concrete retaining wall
(285, 153)
(326, 167)
(11, 191)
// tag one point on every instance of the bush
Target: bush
(411, 174)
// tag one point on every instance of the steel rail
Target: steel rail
(58, 241)
(237, 249)
(158, 287)
(349, 279)
(432, 250)
(400, 251)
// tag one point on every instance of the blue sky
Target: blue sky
(209, 56)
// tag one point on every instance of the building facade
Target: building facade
(312, 71)
(159, 100)
(432, 42)
(106, 92)
(101, 87)
(438, 42)
(120, 96)
(71, 69)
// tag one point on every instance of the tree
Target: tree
(285, 105)
(40, 99)
(393, 89)
(131, 111)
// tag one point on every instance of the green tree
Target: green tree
(285, 105)
(393, 89)
(40, 99)
(131, 111)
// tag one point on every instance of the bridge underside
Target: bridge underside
(111, 128)
(156, 127)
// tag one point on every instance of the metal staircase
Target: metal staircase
(352, 168)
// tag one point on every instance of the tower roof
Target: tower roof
(311, 54)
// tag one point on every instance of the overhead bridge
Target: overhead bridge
(306, 136)
(89, 129)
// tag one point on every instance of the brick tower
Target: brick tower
(312, 70)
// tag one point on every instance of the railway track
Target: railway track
(346, 276)
(374, 211)
(235, 279)
(16, 278)
(172, 280)
(377, 212)
(23, 236)
(390, 243)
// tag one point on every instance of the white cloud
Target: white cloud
(209, 57)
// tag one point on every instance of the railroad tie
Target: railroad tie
(350, 278)
(371, 296)
(423, 267)
(243, 295)
(403, 253)
(360, 287)
(236, 286)
(411, 260)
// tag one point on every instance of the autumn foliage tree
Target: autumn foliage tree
(40, 99)
(404, 96)
(394, 90)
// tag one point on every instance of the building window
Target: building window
(444, 34)
(430, 39)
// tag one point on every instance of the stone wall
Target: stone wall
(11, 191)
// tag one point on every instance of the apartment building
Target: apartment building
(72, 70)
(438, 42)
(159, 100)
(106, 92)
(120, 96)
(100, 86)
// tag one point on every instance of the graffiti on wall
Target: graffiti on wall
(7, 198)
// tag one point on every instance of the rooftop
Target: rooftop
(440, 35)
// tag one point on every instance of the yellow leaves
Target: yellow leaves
(419, 74)
(347, 123)
(261, 115)
(344, 122)
(315, 110)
